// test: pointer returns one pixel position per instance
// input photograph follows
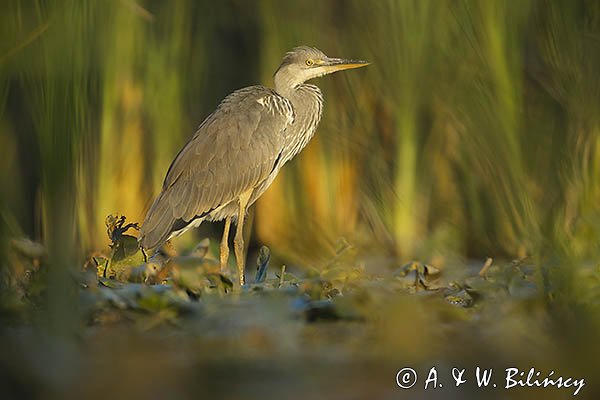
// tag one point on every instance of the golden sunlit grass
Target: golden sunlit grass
(458, 124)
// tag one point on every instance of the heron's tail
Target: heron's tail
(157, 224)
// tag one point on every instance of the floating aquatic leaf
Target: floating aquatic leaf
(416, 275)
(456, 295)
(126, 254)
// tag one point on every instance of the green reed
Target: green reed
(474, 132)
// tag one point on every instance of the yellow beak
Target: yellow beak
(338, 64)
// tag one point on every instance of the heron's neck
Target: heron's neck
(286, 84)
(306, 98)
(307, 101)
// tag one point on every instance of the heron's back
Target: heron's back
(235, 149)
(307, 102)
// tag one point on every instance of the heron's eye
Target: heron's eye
(309, 62)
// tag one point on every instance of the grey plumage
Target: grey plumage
(238, 150)
(220, 162)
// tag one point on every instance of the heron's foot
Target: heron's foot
(241, 267)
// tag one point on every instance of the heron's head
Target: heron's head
(305, 63)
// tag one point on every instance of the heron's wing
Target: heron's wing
(233, 150)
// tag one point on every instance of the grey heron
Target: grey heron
(236, 153)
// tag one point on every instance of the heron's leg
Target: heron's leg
(224, 253)
(238, 241)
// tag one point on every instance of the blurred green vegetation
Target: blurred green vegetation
(475, 132)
